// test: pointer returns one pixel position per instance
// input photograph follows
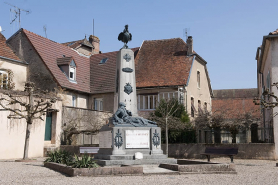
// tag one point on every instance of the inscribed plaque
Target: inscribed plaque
(137, 138)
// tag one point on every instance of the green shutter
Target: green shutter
(48, 123)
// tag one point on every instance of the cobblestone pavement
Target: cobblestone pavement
(248, 172)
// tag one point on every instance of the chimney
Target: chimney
(95, 42)
(189, 43)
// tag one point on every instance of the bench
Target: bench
(220, 151)
(88, 150)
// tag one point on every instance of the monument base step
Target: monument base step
(136, 162)
(128, 157)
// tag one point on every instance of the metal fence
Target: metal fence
(253, 135)
(177, 136)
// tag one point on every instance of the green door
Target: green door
(48, 123)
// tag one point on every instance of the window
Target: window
(199, 107)
(193, 110)
(103, 61)
(147, 102)
(4, 80)
(72, 73)
(206, 107)
(74, 100)
(198, 79)
(98, 104)
(150, 101)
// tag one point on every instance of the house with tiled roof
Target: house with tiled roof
(164, 69)
(13, 75)
(84, 46)
(267, 62)
(53, 65)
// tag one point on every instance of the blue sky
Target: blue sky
(226, 33)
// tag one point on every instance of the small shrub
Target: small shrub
(60, 156)
(85, 162)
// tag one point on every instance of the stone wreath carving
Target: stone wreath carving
(156, 139)
(128, 88)
(118, 139)
(127, 57)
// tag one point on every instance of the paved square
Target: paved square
(249, 172)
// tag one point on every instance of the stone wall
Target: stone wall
(13, 131)
(245, 151)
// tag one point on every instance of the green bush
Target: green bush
(85, 162)
(59, 156)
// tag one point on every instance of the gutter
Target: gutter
(13, 60)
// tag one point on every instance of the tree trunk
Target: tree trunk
(27, 139)
(166, 136)
(29, 123)
(233, 138)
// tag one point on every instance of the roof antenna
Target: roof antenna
(186, 32)
(93, 27)
(17, 12)
(44, 29)
(93, 37)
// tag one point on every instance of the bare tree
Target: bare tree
(78, 121)
(264, 102)
(166, 116)
(30, 110)
(225, 118)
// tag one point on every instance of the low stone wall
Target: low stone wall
(100, 171)
(75, 149)
(189, 151)
(245, 150)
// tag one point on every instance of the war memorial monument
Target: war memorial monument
(129, 139)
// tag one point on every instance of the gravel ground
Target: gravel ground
(248, 172)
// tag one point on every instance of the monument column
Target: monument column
(125, 81)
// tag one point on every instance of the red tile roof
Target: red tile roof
(103, 75)
(157, 63)
(75, 44)
(49, 51)
(5, 50)
(162, 63)
(64, 60)
(233, 102)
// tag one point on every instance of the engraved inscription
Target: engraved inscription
(127, 70)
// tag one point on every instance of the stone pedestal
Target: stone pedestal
(124, 142)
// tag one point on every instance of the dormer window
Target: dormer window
(68, 67)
